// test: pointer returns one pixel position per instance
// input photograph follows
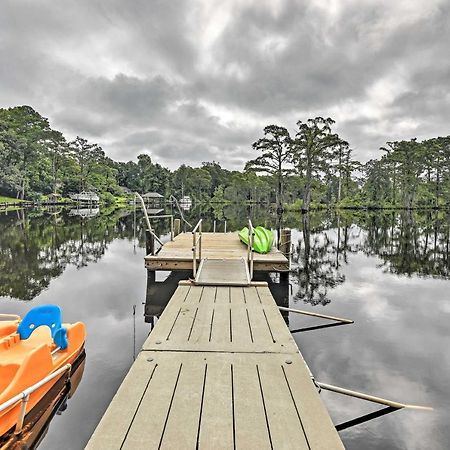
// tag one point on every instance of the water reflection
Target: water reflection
(408, 244)
(36, 246)
(54, 402)
(388, 272)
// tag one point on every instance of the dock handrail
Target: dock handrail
(149, 226)
(179, 210)
(196, 241)
(224, 226)
(251, 234)
(24, 396)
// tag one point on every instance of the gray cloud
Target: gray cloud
(195, 81)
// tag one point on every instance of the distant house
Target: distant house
(152, 197)
(85, 197)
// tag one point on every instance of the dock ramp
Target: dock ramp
(223, 272)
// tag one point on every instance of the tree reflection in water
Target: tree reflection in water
(408, 243)
(37, 245)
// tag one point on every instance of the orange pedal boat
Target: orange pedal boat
(35, 352)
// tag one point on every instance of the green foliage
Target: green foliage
(313, 150)
(410, 175)
(107, 198)
(4, 199)
(313, 169)
(276, 159)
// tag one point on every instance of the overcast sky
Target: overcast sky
(193, 80)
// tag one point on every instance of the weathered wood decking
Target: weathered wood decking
(177, 254)
(220, 370)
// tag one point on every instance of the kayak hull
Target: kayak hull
(262, 240)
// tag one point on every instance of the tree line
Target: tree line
(314, 167)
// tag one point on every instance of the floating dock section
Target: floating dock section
(220, 370)
(177, 254)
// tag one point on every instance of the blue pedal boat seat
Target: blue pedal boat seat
(47, 315)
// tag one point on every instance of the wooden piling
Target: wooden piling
(177, 226)
(285, 248)
(285, 242)
(149, 243)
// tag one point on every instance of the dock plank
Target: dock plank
(220, 370)
(216, 430)
(186, 315)
(201, 328)
(113, 428)
(154, 407)
(286, 428)
(249, 416)
(182, 426)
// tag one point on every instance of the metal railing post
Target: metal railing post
(196, 241)
(194, 255)
(200, 241)
(172, 234)
(251, 233)
(23, 409)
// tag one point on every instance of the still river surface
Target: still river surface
(387, 271)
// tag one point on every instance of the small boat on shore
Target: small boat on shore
(262, 240)
(35, 352)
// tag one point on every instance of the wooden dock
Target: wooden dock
(220, 370)
(177, 254)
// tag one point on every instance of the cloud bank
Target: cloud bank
(190, 81)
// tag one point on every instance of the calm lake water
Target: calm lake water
(387, 271)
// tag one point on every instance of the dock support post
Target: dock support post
(177, 226)
(285, 248)
(285, 242)
(149, 243)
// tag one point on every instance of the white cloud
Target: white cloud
(206, 76)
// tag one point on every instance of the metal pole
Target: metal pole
(146, 217)
(9, 317)
(23, 409)
(225, 227)
(172, 233)
(370, 398)
(323, 316)
(214, 226)
(194, 255)
(251, 254)
(200, 241)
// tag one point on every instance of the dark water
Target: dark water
(388, 272)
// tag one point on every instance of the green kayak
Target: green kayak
(262, 241)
